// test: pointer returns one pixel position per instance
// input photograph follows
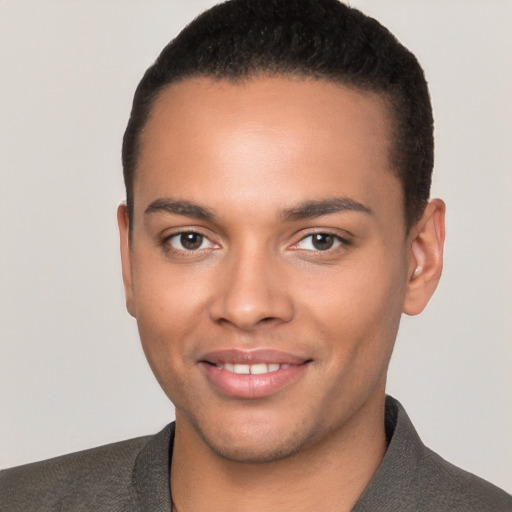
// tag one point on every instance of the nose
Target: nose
(252, 292)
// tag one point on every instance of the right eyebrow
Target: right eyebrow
(177, 207)
(319, 208)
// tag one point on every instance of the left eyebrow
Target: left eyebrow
(183, 208)
(312, 209)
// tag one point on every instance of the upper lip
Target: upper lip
(237, 356)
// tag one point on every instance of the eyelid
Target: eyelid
(165, 240)
(178, 236)
(342, 240)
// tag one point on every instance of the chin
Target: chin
(251, 444)
(251, 452)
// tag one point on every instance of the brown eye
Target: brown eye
(322, 241)
(190, 241)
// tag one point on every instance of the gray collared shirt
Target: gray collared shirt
(133, 476)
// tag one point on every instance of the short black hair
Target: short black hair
(319, 39)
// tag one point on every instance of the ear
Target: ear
(426, 242)
(123, 221)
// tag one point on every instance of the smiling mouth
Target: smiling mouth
(252, 369)
(252, 374)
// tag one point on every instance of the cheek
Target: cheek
(164, 322)
(167, 297)
(167, 309)
(359, 308)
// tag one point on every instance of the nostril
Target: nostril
(248, 307)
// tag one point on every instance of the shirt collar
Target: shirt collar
(151, 472)
(394, 475)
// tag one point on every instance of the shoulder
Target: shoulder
(90, 478)
(412, 478)
(452, 488)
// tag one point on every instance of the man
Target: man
(277, 166)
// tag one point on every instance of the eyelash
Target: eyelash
(337, 239)
(339, 242)
(166, 243)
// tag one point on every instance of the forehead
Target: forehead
(287, 104)
(305, 137)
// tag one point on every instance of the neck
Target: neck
(329, 475)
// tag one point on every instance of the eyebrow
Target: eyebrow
(305, 210)
(177, 207)
(312, 209)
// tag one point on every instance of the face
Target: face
(269, 261)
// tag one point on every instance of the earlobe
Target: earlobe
(426, 257)
(123, 222)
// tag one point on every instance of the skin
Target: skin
(252, 154)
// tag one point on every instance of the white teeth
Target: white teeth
(253, 369)
(258, 369)
(241, 368)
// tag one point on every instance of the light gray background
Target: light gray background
(72, 374)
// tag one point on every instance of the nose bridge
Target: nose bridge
(251, 290)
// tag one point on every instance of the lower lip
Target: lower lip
(252, 386)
